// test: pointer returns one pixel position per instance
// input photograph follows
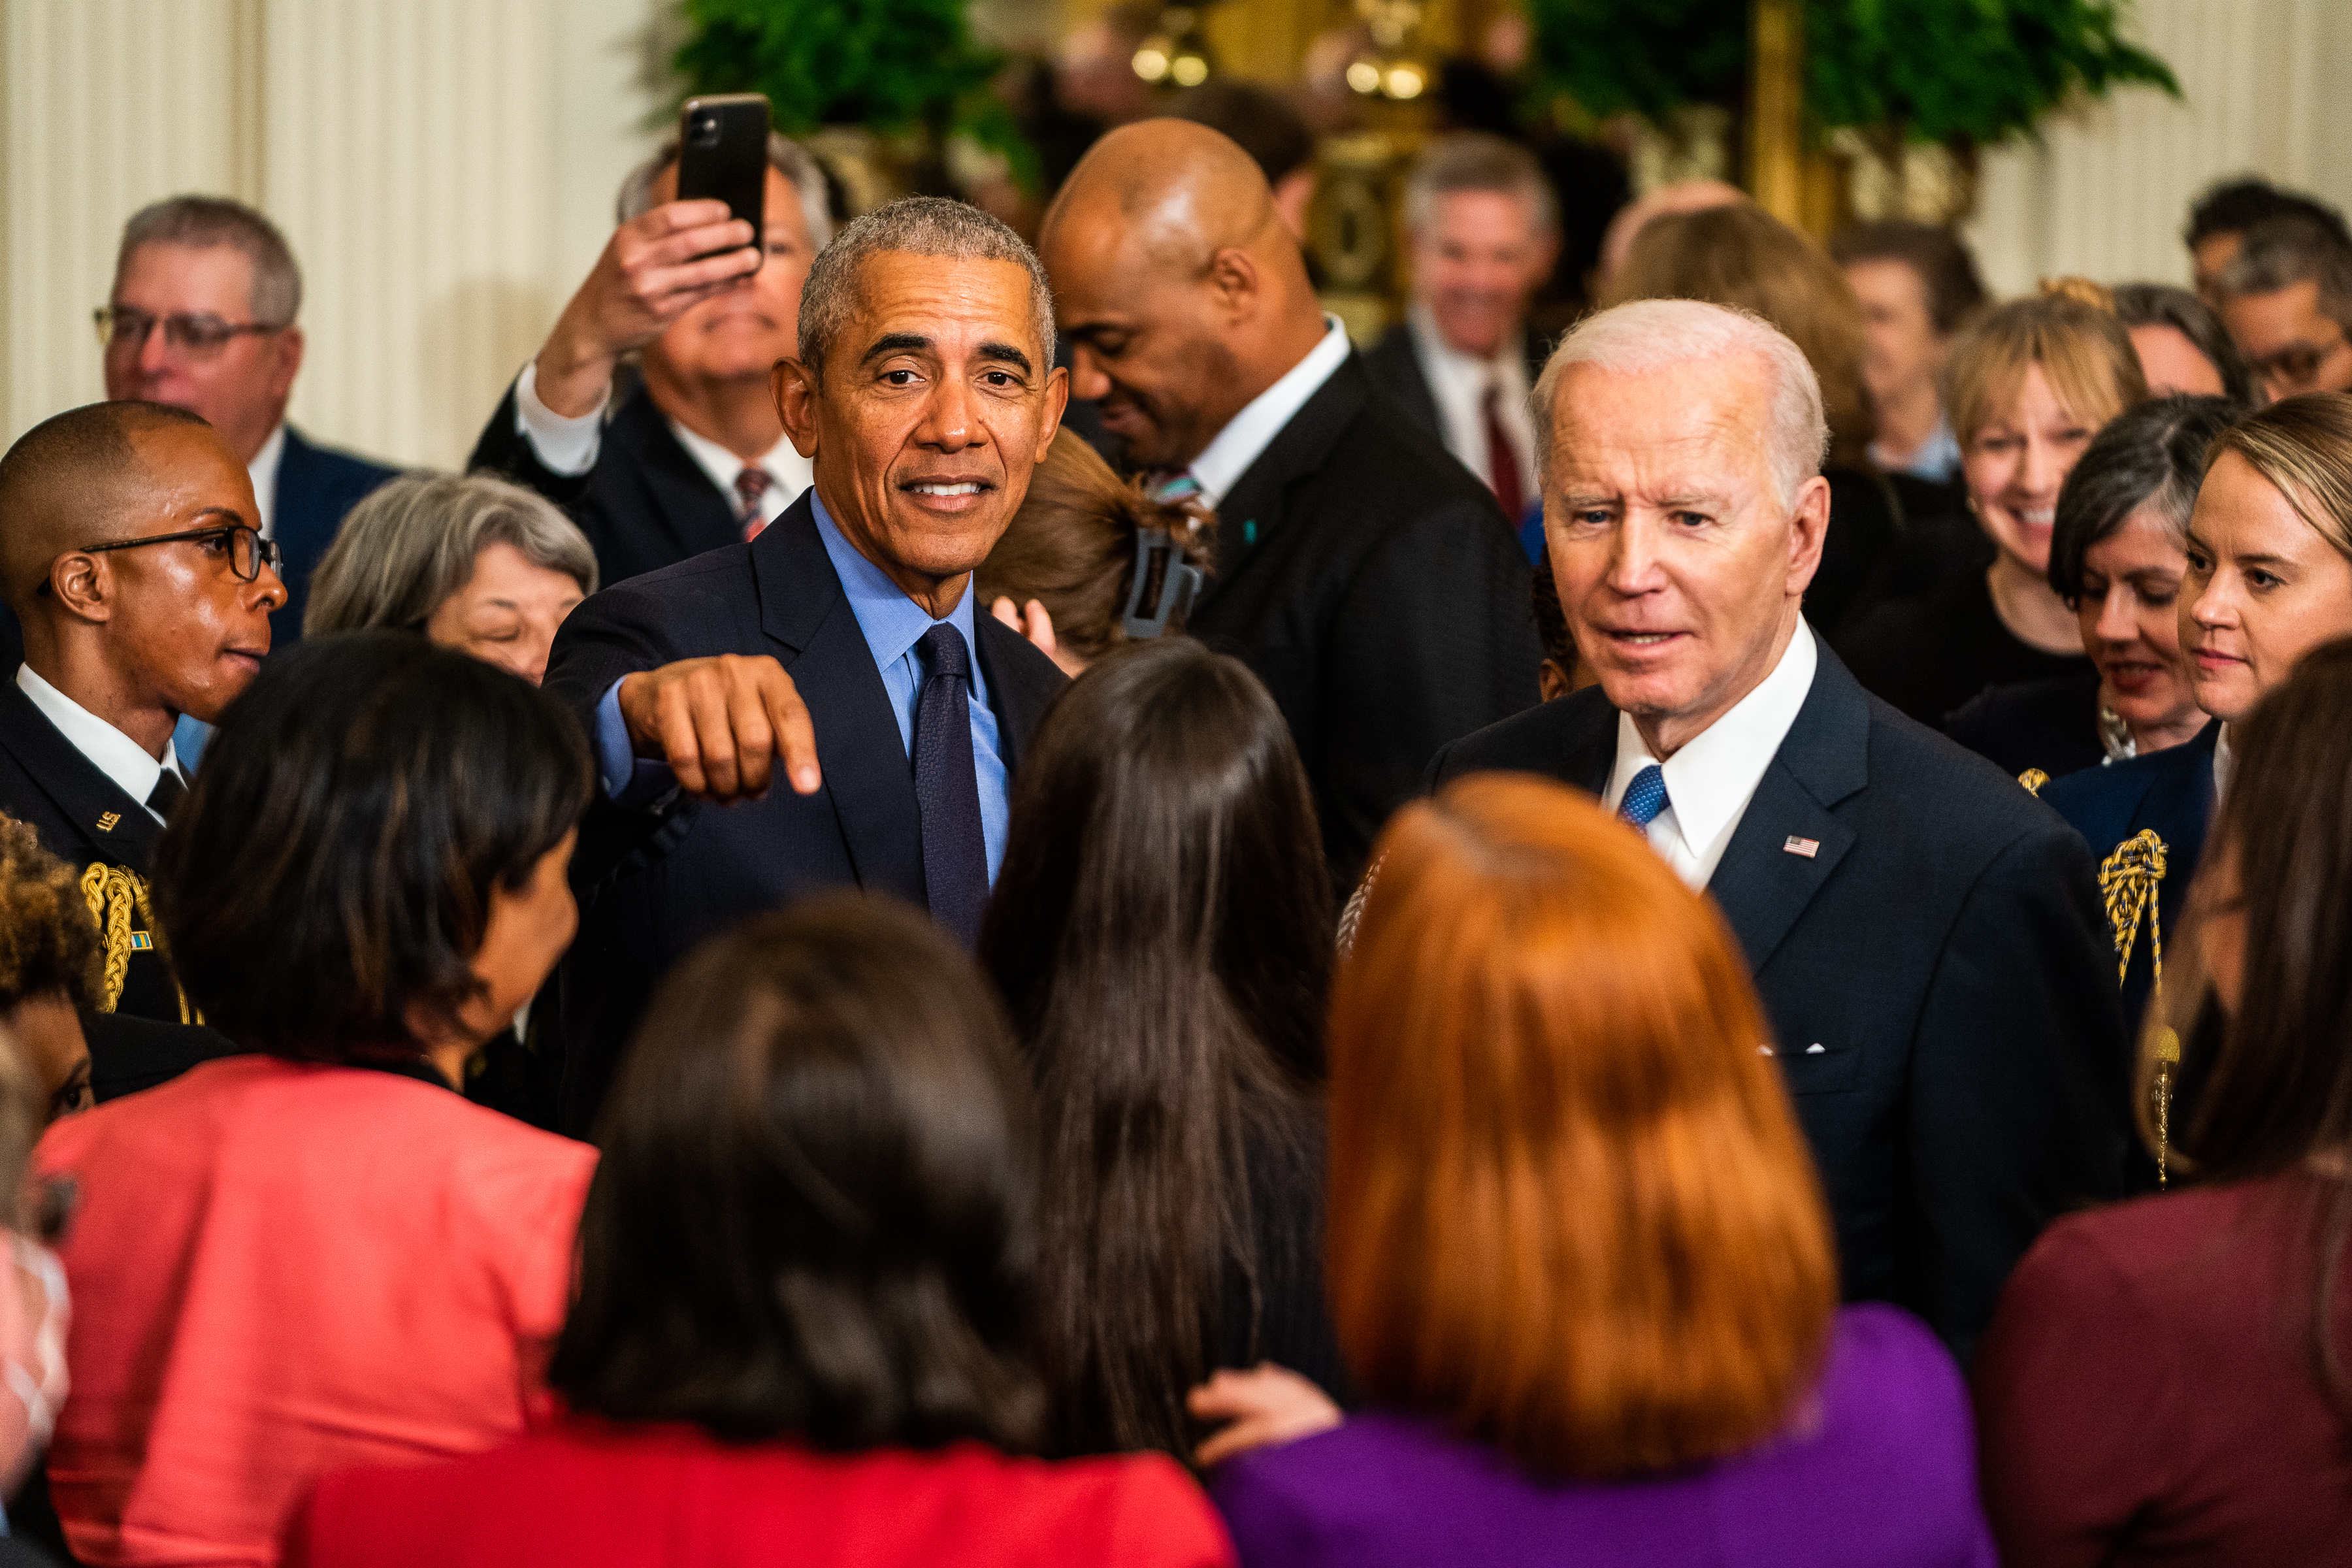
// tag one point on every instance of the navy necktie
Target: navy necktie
(165, 795)
(1646, 797)
(947, 786)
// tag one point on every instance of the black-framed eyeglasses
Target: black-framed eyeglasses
(201, 334)
(247, 551)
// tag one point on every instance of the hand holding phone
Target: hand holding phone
(722, 152)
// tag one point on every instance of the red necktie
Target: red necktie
(750, 485)
(1503, 459)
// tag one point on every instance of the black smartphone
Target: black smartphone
(722, 153)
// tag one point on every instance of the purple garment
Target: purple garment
(1883, 1473)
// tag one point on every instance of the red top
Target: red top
(2148, 1390)
(280, 1269)
(593, 1495)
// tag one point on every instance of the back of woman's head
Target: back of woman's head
(1072, 547)
(1570, 1211)
(813, 1216)
(1743, 255)
(2151, 457)
(414, 542)
(332, 865)
(1162, 932)
(2303, 446)
(2071, 331)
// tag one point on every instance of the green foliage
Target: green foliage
(1965, 71)
(1957, 71)
(894, 66)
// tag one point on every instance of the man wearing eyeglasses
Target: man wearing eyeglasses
(129, 554)
(2286, 299)
(202, 317)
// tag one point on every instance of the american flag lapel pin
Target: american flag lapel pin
(1808, 848)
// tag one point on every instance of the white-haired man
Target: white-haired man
(1925, 936)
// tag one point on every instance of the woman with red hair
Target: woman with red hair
(1579, 1260)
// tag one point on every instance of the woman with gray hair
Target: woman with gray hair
(475, 563)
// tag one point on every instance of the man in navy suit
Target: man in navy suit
(838, 648)
(202, 317)
(1926, 938)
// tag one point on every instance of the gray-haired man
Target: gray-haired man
(692, 457)
(839, 649)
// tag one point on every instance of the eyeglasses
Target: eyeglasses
(248, 552)
(199, 336)
(2296, 366)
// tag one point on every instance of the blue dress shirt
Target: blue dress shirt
(892, 624)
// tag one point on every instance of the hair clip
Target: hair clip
(1163, 580)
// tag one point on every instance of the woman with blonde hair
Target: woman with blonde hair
(2029, 384)
(1579, 1260)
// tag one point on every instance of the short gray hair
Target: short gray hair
(1646, 335)
(1473, 160)
(917, 225)
(2280, 252)
(785, 156)
(200, 223)
(414, 542)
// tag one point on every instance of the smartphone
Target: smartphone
(722, 153)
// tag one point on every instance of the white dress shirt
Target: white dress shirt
(1710, 781)
(569, 447)
(263, 470)
(109, 749)
(1459, 381)
(1227, 457)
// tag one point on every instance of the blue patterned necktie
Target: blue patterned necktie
(1646, 797)
(947, 786)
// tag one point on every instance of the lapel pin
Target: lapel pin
(1808, 848)
(1816, 1049)
(106, 824)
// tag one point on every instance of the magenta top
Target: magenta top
(1879, 1470)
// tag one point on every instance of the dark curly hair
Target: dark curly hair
(49, 940)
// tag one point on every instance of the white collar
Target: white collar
(1508, 365)
(263, 470)
(1711, 779)
(106, 748)
(1228, 456)
(786, 466)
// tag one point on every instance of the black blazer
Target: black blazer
(1375, 587)
(652, 884)
(2051, 724)
(645, 503)
(1937, 978)
(85, 818)
(317, 488)
(1397, 368)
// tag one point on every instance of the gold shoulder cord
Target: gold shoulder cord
(2128, 879)
(115, 894)
(2033, 779)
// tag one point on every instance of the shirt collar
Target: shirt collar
(784, 464)
(263, 470)
(1228, 456)
(891, 622)
(106, 748)
(1509, 366)
(1710, 780)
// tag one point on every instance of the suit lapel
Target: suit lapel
(1251, 512)
(692, 511)
(111, 825)
(1018, 689)
(868, 777)
(1788, 841)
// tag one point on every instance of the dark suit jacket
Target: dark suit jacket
(1397, 367)
(1937, 978)
(84, 817)
(645, 503)
(2170, 791)
(317, 488)
(652, 884)
(1373, 586)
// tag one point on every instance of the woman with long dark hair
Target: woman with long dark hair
(2167, 1380)
(1161, 931)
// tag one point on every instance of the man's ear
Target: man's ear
(288, 365)
(1057, 399)
(793, 386)
(1809, 529)
(84, 585)
(1234, 280)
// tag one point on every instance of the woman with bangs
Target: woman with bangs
(1579, 1261)
(2030, 383)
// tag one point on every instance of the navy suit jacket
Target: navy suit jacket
(317, 488)
(653, 884)
(644, 504)
(84, 817)
(1937, 978)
